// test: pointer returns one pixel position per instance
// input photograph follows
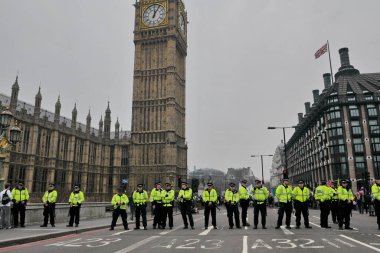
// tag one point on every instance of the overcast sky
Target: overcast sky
(250, 64)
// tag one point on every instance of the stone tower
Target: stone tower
(158, 142)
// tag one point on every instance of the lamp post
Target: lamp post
(286, 160)
(6, 142)
(262, 165)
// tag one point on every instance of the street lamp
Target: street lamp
(286, 160)
(262, 165)
(6, 142)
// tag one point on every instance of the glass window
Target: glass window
(359, 166)
(358, 145)
(351, 98)
(368, 97)
(354, 111)
(372, 111)
(332, 100)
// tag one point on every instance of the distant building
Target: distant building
(339, 137)
(236, 175)
(278, 165)
(204, 176)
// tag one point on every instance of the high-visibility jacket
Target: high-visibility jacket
(209, 195)
(120, 201)
(345, 194)
(76, 198)
(375, 189)
(301, 195)
(156, 195)
(334, 194)
(243, 193)
(20, 195)
(167, 198)
(140, 198)
(260, 194)
(185, 194)
(323, 193)
(284, 194)
(50, 196)
(232, 197)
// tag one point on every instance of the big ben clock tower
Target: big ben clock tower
(158, 145)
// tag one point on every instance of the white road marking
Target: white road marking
(331, 243)
(136, 245)
(286, 231)
(122, 232)
(317, 217)
(377, 235)
(206, 231)
(176, 228)
(345, 243)
(245, 244)
(45, 229)
(314, 224)
(361, 243)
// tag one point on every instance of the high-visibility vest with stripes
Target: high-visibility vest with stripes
(209, 196)
(375, 189)
(284, 194)
(301, 195)
(50, 197)
(167, 198)
(243, 193)
(260, 194)
(122, 199)
(140, 198)
(76, 198)
(345, 194)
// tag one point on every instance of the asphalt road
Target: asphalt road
(365, 238)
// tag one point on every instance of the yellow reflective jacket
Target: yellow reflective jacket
(167, 198)
(209, 196)
(260, 194)
(375, 189)
(232, 197)
(345, 194)
(50, 197)
(243, 193)
(185, 195)
(156, 195)
(140, 198)
(120, 201)
(284, 194)
(20, 195)
(323, 193)
(301, 195)
(76, 198)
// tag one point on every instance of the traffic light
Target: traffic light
(179, 181)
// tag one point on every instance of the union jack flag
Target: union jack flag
(321, 51)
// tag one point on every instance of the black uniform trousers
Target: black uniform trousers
(74, 215)
(186, 211)
(168, 214)
(325, 211)
(262, 209)
(377, 211)
(302, 208)
(334, 210)
(233, 210)
(210, 209)
(49, 210)
(115, 216)
(19, 208)
(244, 203)
(344, 211)
(140, 210)
(287, 209)
(158, 214)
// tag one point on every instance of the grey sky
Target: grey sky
(250, 63)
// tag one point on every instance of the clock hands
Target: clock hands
(155, 11)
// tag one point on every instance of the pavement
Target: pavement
(365, 237)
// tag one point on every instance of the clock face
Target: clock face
(154, 15)
(181, 23)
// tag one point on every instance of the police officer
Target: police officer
(244, 202)
(20, 197)
(156, 200)
(334, 203)
(260, 196)
(345, 198)
(284, 196)
(49, 199)
(209, 198)
(323, 195)
(375, 190)
(301, 195)
(185, 203)
(140, 198)
(119, 202)
(168, 202)
(231, 200)
(76, 200)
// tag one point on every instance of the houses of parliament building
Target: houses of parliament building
(61, 150)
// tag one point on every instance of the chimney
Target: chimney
(315, 95)
(327, 80)
(307, 107)
(344, 57)
(346, 69)
(300, 117)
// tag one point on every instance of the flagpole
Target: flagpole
(332, 77)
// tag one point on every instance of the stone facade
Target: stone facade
(158, 143)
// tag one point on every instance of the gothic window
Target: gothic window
(16, 173)
(60, 179)
(47, 143)
(124, 156)
(40, 179)
(25, 139)
(90, 182)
